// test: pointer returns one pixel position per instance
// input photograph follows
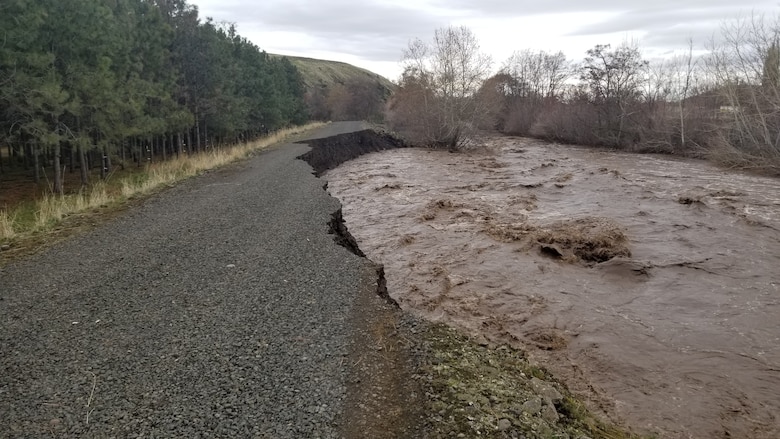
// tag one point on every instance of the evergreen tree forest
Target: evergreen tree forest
(87, 84)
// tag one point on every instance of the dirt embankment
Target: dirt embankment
(330, 152)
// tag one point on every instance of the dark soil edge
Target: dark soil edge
(330, 152)
(384, 397)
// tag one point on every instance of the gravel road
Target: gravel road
(219, 308)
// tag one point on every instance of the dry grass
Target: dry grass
(7, 225)
(585, 239)
(49, 211)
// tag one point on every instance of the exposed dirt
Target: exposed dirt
(329, 152)
(384, 398)
(648, 284)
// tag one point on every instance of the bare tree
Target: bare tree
(532, 80)
(614, 79)
(537, 74)
(745, 66)
(442, 78)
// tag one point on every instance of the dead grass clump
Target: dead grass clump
(548, 339)
(7, 230)
(393, 186)
(492, 163)
(406, 240)
(584, 239)
(614, 172)
(519, 231)
(688, 200)
(443, 204)
(433, 207)
(428, 216)
(528, 202)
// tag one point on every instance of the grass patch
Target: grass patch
(7, 225)
(480, 391)
(32, 220)
(324, 73)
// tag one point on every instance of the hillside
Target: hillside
(323, 73)
(340, 91)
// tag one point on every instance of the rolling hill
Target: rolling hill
(318, 73)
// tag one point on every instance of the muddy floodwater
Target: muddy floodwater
(650, 285)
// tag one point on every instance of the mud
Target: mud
(648, 284)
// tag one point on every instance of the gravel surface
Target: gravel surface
(219, 308)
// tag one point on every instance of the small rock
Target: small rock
(504, 425)
(546, 390)
(5, 247)
(532, 406)
(549, 414)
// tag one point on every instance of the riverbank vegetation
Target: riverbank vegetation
(719, 102)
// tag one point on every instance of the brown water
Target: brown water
(650, 285)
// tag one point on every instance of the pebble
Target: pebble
(546, 390)
(549, 414)
(532, 406)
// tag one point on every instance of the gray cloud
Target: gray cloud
(658, 19)
(372, 31)
(378, 30)
(493, 8)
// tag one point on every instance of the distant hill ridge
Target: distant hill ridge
(319, 73)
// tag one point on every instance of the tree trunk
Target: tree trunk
(682, 124)
(83, 165)
(197, 135)
(178, 145)
(27, 155)
(72, 160)
(58, 189)
(36, 164)
(138, 152)
(197, 131)
(105, 164)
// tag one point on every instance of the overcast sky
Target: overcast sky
(373, 33)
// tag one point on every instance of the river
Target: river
(650, 285)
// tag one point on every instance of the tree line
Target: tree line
(85, 82)
(723, 104)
